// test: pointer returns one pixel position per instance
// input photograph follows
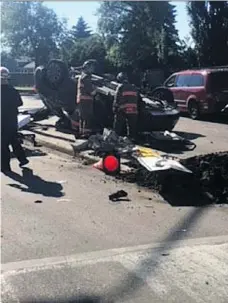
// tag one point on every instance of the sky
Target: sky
(72, 10)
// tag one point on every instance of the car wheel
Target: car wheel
(193, 110)
(56, 72)
(163, 94)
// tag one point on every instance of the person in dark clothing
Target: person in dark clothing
(18, 150)
(10, 101)
(125, 107)
(85, 93)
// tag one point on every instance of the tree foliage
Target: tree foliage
(92, 47)
(133, 35)
(81, 30)
(70, 43)
(30, 28)
(209, 24)
(142, 34)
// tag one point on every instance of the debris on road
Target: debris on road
(64, 200)
(62, 181)
(110, 143)
(209, 176)
(167, 141)
(118, 195)
(153, 161)
(38, 201)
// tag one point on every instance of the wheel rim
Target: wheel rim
(54, 73)
(194, 111)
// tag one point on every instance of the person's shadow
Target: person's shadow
(35, 184)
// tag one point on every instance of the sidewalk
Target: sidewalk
(187, 272)
(48, 136)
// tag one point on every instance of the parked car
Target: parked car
(198, 92)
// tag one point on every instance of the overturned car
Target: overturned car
(57, 88)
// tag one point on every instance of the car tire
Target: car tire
(164, 94)
(56, 72)
(193, 110)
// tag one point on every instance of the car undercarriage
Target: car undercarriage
(58, 90)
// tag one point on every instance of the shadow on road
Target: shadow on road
(81, 299)
(31, 153)
(35, 184)
(220, 119)
(189, 136)
(132, 283)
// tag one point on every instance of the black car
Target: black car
(58, 91)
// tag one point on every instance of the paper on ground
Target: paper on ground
(159, 163)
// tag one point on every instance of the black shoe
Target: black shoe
(24, 162)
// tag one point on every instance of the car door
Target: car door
(170, 83)
(182, 91)
(197, 86)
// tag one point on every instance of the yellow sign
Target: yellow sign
(147, 152)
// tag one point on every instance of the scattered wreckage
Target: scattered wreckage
(200, 179)
(207, 184)
(112, 148)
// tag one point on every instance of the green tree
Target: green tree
(188, 55)
(32, 29)
(209, 24)
(81, 29)
(143, 34)
(89, 48)
(70, 42)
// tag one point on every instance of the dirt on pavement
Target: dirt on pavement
(207, 184)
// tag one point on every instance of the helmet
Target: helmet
(89, 66)
(5, 74)
(121, 77)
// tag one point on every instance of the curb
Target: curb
(69, 150)
(26, 92)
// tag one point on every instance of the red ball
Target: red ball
(111, 163)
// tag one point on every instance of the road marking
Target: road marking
(105, 255)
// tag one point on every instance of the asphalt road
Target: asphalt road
(209, 136)
(63, 241)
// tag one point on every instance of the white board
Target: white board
(161, 163)
(23, 120)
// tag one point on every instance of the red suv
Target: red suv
(198, 92)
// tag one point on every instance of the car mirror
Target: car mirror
(170, 85)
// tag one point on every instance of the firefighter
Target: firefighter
(10, 101)
(85, 93)
(125, 107)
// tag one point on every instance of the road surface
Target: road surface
(63, 241)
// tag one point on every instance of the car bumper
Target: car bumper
(218, 107)
(160, 122)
